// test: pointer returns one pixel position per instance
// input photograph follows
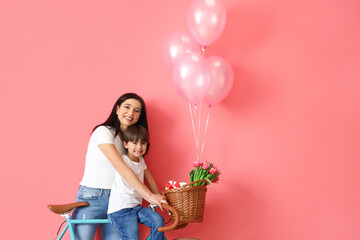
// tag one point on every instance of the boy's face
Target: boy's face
(136, 148)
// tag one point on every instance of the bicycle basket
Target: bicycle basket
(189, 201)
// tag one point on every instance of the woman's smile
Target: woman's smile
(129, 112)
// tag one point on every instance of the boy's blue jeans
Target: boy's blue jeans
(126, 222)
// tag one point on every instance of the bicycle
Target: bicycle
(65, 211)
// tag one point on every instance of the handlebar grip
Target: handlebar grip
(175, 215)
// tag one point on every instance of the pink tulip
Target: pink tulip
(213, 170)
(216, 180)
(197, 163)
(206, 165)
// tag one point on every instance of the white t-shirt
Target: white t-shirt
(99, 172)
(122, 194)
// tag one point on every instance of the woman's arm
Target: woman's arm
(151, 182)
(116, 160)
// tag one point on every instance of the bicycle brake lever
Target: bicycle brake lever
(153, 206)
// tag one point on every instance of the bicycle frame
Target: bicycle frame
(70, 222)
(66, 210)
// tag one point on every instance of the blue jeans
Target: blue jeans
(98, 200)
(126, 222)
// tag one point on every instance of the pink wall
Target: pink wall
(286, 138)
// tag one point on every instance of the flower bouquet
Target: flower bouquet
(189, 199)
(204, 170)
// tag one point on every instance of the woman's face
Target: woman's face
(128, 112)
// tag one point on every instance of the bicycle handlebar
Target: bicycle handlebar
(175, 218)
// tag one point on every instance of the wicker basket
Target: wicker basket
(189, 201)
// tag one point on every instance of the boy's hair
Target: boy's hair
(136, 133)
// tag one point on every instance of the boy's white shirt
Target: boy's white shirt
(122, 194)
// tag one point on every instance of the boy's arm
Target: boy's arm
(151, 182)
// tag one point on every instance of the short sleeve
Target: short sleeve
(104, 134)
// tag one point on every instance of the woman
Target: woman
(103, 158)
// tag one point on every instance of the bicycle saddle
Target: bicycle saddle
(64, 208)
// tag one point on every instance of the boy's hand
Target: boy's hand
(157, 199)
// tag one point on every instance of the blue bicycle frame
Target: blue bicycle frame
(66, 210)
(70, 223)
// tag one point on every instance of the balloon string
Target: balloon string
(206, 126)
(197, 111)
(199, 120)
(193, 125)
(203, 50)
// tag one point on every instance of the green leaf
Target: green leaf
(208, 180)
(192, 175)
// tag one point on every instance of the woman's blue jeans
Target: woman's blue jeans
(126, 222)
(98, 200)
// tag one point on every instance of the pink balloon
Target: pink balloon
(206, 20)
(221, 80)
(177, 44)
(191, 76)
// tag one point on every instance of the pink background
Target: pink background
(286, 138)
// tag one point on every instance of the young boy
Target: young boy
(124, 210)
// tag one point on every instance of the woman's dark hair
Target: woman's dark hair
(113, 120)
